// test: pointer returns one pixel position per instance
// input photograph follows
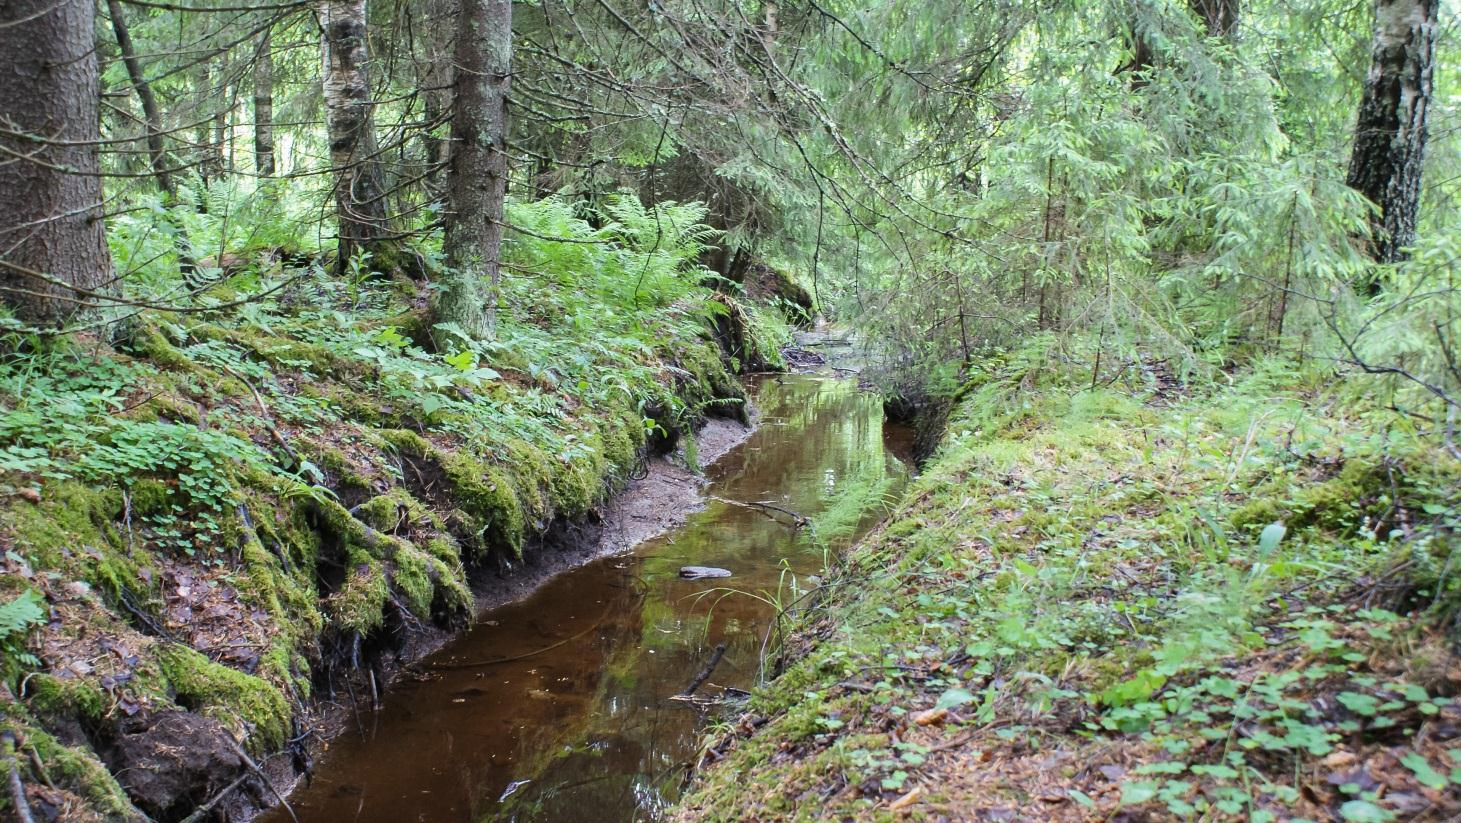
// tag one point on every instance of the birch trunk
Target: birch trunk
(1390, 136)
(360, 191)
(264, 108)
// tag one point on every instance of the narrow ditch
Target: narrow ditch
(559, 705)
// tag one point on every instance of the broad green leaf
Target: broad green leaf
(954, 697)
(1269, 539)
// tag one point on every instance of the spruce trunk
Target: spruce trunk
(53, 255)
(152, 117)
(477, 180)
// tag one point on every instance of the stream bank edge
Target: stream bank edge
(319, 593)
(1110, 624)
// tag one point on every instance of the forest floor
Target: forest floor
(215, 527)
(1130, 602)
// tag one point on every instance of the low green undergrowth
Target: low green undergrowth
(1240, 602)
(229, 511)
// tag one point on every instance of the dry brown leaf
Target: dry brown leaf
(906, 800)
(1338, 759)
(932, 717)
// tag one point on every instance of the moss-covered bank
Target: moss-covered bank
(226, 515)
(1130, 604)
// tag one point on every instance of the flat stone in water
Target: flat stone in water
(697, 572)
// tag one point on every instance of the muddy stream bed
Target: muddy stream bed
(557, 707)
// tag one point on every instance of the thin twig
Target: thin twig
(800, 520)
(268, 415)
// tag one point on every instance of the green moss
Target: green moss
(407, 441)
(445, 548)
(285, 519)
(283, 351)
(349, 403)
(238, 700)
(451, 583)
(147, 340)
(281, 664)
(1255, 514)
(415, 325)
(532, 474)
(1338, 504)
(359, 604)
(289, 600)
(71, 517)
(164, 405)
(623, 436)
(397, 508)
(51, 696)
(73, 768)
(149, 497)
(487, 493)
(337, 463)
(412, 575)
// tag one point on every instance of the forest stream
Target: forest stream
(577, 721)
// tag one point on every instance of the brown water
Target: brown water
(580, 728)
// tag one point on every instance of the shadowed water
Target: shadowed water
(577, 724)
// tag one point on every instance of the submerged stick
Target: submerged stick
(705, 673)
(477, 664)
(767, 509)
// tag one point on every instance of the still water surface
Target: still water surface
(581, 728)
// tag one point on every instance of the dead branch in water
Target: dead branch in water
(705, 673)
(799, 520)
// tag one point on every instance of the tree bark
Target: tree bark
(1390, 135)
(360, 191)
(264, 107)
(1220, 17)
(211, 129)
(53, 251)
(219, 152)
(152, 118)
(477, 177)
(1142, 56)
(436, 80)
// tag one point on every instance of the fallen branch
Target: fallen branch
(258, 772)
(269, 422)
(705, 673)
(954, 742)
(203, 810)
(765, 508)
(17, 787)
(35, 762)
